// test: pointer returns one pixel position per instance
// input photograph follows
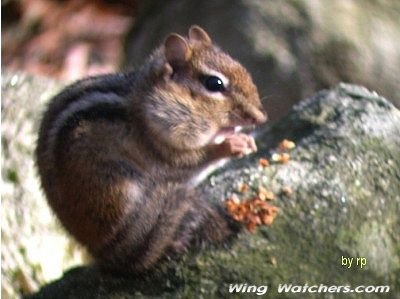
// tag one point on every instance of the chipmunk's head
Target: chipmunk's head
(200, 93)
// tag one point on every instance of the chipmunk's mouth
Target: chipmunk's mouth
(220, 136)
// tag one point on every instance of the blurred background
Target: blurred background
(293, 48)
(64, 39)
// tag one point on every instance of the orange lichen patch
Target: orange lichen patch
(252, 212)
(286, 144)
(281, 158)
(263, 162)
(265, 194)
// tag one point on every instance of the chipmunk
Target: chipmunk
(116, 153)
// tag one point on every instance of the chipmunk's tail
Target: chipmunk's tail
(184, 220)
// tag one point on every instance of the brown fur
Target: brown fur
(116, 152)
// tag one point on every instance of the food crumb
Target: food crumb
(286, 144)
(263, 162)
(252, 212)
(272, 261)
(243, 188)
(281, 158)
(265, 194)
(287, 190)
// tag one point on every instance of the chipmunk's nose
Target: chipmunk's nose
(257, 116)
(262, 117)
(252, 113)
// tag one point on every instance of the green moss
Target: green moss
(12, 176)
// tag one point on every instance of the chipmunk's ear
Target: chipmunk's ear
(196, 33)
(177, 50)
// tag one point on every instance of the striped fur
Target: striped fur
(117, 153)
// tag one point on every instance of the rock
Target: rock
(34, 248)
(292, 48)
(345, 179)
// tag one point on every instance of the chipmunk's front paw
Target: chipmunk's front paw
(238, 145)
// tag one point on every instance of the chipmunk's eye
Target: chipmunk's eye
(213, 83)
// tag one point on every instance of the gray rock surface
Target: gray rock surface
(345, 178)
(292, 48)
(34, 248)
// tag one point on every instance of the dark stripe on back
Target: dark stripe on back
(119, 84)
(111, 112)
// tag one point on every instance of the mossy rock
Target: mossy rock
(35, 250)
(345, 179)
